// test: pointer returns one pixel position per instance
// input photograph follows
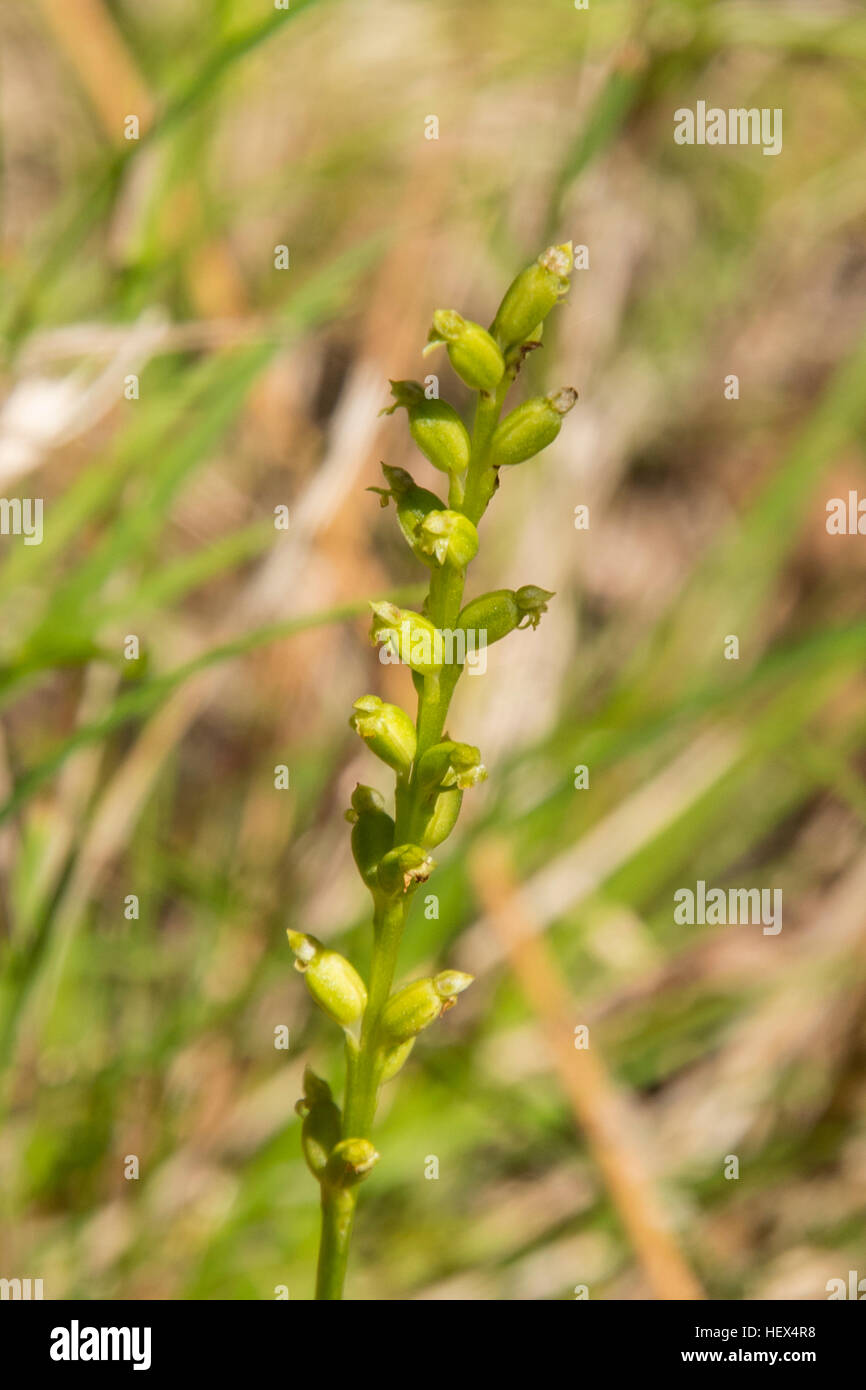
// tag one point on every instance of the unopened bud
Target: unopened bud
(372, 832)
(411, 636)
(434, 425)
(350, 1161)
(531, 296)
(403, 869)
(418, 1005)
(387, 731)
(335, 985)
(474, 355)
(413, 504)
(530, 428)
(449, 538)
(320, 1130)
(494, 615)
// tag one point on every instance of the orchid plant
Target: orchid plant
(393, 851)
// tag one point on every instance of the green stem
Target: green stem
(362, 1062)
(363, 1081)
(338, 1215)
(362, 1090)
(478, 482)
(446, 596)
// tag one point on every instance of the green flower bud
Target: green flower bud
(403, 869)
(530, 298)
(413, 505)
(530, 428)
(450, 764)
(442, 774)
(418, 1005)
(449, 538)
(393, 1060)
(387, 731)
(350, 1161)
(474, 355)
(320, 1130)
(411, 636)
(494, 615)
(372, 832)
(335, 985)
(442, 818)
(434, 425)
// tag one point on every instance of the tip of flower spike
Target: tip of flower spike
(558, 259)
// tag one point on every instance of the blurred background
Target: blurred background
(165, 387)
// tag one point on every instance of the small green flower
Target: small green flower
(434, 425)
(403, 869)
(335, 985)
(411, 637)
(449, 538)
(530, 428)
(413, 504)
(450, 764)
(531, 603)
(531, 296)
(474, 355)
(387, 731)
(350, 1161)
(419, 1004)
(494, 615)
